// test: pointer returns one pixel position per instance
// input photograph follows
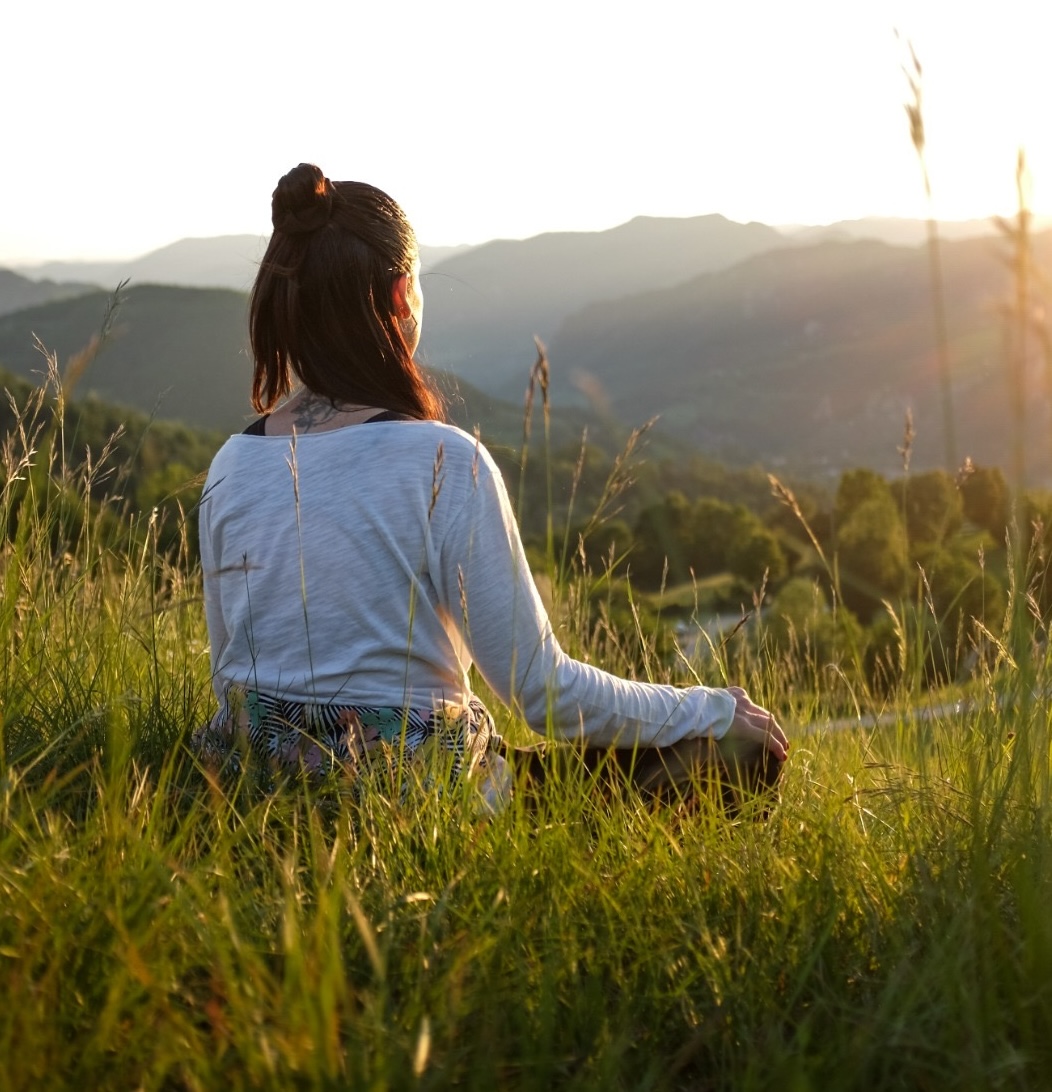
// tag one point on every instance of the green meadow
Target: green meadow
(887, 926)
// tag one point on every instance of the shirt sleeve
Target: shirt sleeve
(509, 634)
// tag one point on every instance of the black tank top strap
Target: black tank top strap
(259, 426)
(388, 415)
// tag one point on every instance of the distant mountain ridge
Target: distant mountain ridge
(895, 231)
(484, 307)
(229, 261)
(18, 292)
(222, 261)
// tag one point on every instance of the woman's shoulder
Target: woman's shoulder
(456, 443)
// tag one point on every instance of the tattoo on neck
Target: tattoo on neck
(311, 410)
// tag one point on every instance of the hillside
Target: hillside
(483, 307)
(18, 292)
(179, 352)
(182, 354)
(810, 355)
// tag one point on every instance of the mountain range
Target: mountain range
(802, 348)
(811, 355)
(17, 292)
(223, 261)
(484, 307)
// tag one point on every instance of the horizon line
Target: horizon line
(30, 263)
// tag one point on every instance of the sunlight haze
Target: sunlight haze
(131, 129)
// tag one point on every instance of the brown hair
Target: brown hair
(322, 306)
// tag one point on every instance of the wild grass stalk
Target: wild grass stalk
(1020, 323)
(915, 115)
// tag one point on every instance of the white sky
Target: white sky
(127, 125)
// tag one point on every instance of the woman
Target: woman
(359, 554)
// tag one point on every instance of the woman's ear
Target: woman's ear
(400, 295)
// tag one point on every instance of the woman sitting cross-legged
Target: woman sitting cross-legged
(359, 554)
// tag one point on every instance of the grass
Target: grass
(887, 927)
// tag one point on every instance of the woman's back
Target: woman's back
(327, 559)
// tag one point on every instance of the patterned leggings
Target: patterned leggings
(320, 739)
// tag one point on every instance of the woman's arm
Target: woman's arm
(511, 640)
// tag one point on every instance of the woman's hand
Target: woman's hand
(754, 724)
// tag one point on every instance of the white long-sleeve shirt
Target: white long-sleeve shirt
(371, 564)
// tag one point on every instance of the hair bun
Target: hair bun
(302, 202)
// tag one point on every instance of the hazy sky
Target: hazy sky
(128, 125)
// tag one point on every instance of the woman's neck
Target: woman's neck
(307, 411)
